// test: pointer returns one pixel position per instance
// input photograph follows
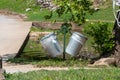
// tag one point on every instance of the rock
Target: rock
(104, 62)
(34, 36)
(46, 4)
(40, 2)
(23, 16)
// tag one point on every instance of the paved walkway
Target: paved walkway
(13, 32)
(16, 68)
(24, 68)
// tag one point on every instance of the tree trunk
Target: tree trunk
(116, 31)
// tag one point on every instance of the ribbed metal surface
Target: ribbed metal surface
(51, 45)
(76, 42)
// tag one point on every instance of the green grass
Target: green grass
(17, 5)
(39, 16)
(36, 55)
(36, 14)
(102, 14)
(81, 74)
(51, 62)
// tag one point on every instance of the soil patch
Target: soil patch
(13, 14)
(55, 26)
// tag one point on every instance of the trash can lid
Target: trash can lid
(47, 36)
(79, 34)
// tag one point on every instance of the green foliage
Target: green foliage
(65, 28)
(102, 36)
(71, 74)
(76, 8)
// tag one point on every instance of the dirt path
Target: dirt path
(15, 68)
(24, 68)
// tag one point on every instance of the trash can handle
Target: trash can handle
(55, 45)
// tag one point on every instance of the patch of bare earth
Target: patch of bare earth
(15, 68)
(13, 14)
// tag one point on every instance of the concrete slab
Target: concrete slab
(13, 33)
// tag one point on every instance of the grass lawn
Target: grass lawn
(81, 74)
(34, 53)
(17, 5)
(102, 14)
(36, 14)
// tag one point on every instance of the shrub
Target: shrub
(102, 37)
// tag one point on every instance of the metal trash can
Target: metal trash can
(76, 42)
(51, 45)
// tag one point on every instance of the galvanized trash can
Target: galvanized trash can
(51, 45)
(76, 42)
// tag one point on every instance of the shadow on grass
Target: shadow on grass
(33, 56)
(40, 60)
